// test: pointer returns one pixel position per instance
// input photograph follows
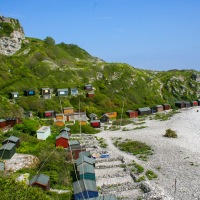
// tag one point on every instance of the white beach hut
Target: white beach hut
(43, 133)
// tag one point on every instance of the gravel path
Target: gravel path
(175, 161)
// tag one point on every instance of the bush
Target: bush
(170, 134)
(150, 174)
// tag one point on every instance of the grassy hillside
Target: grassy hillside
(41, 64)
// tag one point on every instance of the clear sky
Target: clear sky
(147, 34)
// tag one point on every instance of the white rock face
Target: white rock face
(9, 45)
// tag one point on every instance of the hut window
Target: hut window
(46, 91)
(62, 92)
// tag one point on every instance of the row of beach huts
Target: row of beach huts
(69, 114)
(85, 185)
(47, 92)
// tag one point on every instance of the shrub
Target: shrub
(150, 174)
(170, 133)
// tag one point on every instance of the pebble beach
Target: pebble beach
(176, 161)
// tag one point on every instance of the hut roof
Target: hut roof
(2, 120)
(11, 118)
(40, 178)
(7, 146)
(144, 109)
(74, 142)
(92, 115)
(12, 138)
(86, 168)
(159, 106)
(84, 185)
(62, 135)
(128, 111)
(85, 153)
(14, 92)
(65, 129)
(97, 120)
(62, 90)
(85, 159)
(43, 129)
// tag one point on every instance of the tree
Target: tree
(49, 40)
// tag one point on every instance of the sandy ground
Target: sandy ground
(176, 161)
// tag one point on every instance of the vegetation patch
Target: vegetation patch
(135, 147)
(139, 127)
(102, 142)
(114, 128)
(150, 174)
(122, 122)
(170, 134)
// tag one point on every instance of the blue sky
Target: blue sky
(147, 34)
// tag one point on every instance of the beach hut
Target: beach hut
(86, 172)
(132, 113)
(93, 116)
(68, 111)
(2, 123)
(179, 104)
(62, 140)
(104, 118)
(46, 93)
(90, 94)
(74, 91)
(95, 123)
(7, 151)
(80, 115)
(59, 123)
(49, 114)
(70, 118)
(111, 115)
(12, 139)
(159, 108)
(83, 122)
(74, 149)
(29, 92)
(44, 132)
(187, 104)
(41, 180)
(14, 95)
(166, 106)
(85, 189)
(11, 121)
(194, 103)
(88, 87)
(62, 92)
(60, 116)
(144, 111)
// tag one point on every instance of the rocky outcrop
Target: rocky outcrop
(11, 35)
